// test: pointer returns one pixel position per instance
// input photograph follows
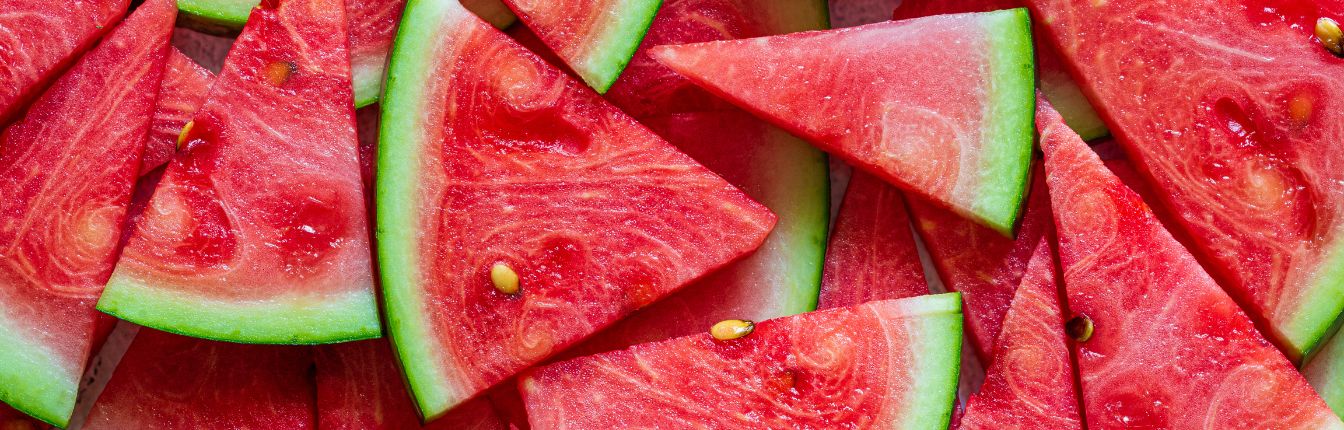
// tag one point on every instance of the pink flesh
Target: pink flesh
(185, 85)
(1169, 349)
(872, 253)
(40, 38)
(570, 35)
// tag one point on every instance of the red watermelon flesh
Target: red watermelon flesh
(360, 388)
(170, 382)
(373, 24)
(1169, 348)
(40, 38)
(1241, 137)
(66, 173)
(11, 419)
(185, 85)
(596, 38)
(258, 232)
(886, 364)
(508, 402)
(1031, 383)
(872, 254)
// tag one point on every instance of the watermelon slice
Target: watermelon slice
(872, 254)
(66, 173)
(373, 24)
(888, 364)
(596, 38)
(222, 16)
(258, 232)
(1326, 375)
(1164, 347)
(32, 53)
(1240, 137)
(1031, 383)
(171, 382)
(951, 125)
(185, 85)
(519, 213)
(359, 388)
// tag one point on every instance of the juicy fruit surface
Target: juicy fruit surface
(183, 90)
(1030, 384)
(373, 24)
(217, 14)
(1241, 136)
(172, 382)
(872, 254)
(490, 157)
(957, 132)
(279, 254)
(596, 38)
(1169, 348)
(67, 170)
(32, 54)
(887, 364)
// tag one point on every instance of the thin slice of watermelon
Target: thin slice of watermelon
(596, 38)
(171, 382)
(184, 88)
(940, 106)
(1240, 137)
(1031, 383)
(258, 232)
(67, 170)
(223, 16)
(1160, 344)
(40, 38)
(872, 254)
(888, 364)
(373, 24)
(494, 167)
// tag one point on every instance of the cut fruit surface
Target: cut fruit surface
(32, 54)
(1164, 346)
(887, 364)
(373, 24)
(596, 38)
(67, 170)
(184, 88)
(258, 232)
(172, 382)
(1240, 137)
(519, 213)
(872, 254)
(940, 106)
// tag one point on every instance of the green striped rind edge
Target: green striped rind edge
(615, 45)
(284, 320)
(805, 219)
(937, 364)
(1009, 132)
(32, 379)
(1326, 374)
(1320, 308)
(217, 15)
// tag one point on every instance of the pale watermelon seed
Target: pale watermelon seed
(504, 278)
(732, 329)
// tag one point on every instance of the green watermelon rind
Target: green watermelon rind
(616, 46)
(1067, 98)
(1320, 312)
(938, 359)
(32, 381)
(1008, 134)
(216, 16)
(804, 222)
(287, 320)
(368, 81)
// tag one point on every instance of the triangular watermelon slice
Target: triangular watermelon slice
(171, 382)
(184, 88)
(887, 364)
(872, 254)
(67, 170)
(1160, 344)
(896, 100)
(39, 39)
(519, 213)
(596, 38)
(1031, 383)
(258, 233)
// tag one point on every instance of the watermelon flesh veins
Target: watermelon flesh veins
(885, 364)
(872, 254)
(596, 38)
(940, 106)
(258, 232)
(1169, 348)
(1239, 137)
(185, 85)
(67, 169)
(32, 53)
(171, 382)
(489, 157)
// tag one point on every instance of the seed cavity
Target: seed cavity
(732, 329)
(1080, 328)
(182, 136)
(1330, 35)
(279, 72)
(504, 278)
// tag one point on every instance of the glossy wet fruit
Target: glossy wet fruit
(185, 85)
(596, 38)
(32, 55)
(872, 254)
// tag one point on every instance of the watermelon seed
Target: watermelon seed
(732, 329)
(182, 137)
(504, 278)
(1080, 328)
(1328, 32)
(279, 72)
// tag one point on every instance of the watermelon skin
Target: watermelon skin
(533, 171)
(596, 38)
(169, 382)
(373, 24)
(185, 85)
(857, 99)
(1239, 137)
(822, 369)
(872, 254)
(289, 261)
(1326, 375)
(32, 55)
(66, 173)
(1169, 348)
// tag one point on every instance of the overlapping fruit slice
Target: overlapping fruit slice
(1160, 345)
(66, 174)
(596, 38)
(940, 106)
(258, 233)
(519, 213)
(872, 254)
(184, 88)
(32, 50)
(373, 24)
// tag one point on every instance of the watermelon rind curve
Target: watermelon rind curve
(616, 46)
(938, 358)
(1312, 324)
(1008, 133)
(32, 382)
(216, 16)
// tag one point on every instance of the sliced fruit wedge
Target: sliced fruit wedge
(519, 213)
(1159, 344)
(373, 24)
(872, 253)
(950, 125)
(184, 88)
(596, 38)
(258, 232)
(67, 170)
(887, 364)
(32, 53)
